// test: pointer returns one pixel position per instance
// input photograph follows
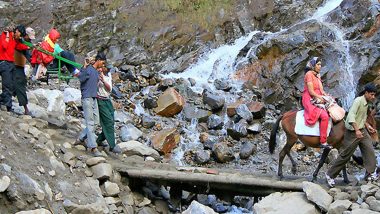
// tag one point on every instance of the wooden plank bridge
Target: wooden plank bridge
(205, 180)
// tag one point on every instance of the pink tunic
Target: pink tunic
(312, 112)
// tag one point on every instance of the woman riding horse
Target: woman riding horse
(312, 95)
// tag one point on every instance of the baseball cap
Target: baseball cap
(31, 33)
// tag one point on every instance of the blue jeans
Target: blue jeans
(91, 118)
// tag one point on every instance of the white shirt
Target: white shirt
(102, 91)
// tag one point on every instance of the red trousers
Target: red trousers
(323, 125)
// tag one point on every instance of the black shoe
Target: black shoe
(325, 146)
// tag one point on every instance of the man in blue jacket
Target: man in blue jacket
(89, 78)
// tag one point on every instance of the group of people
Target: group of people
(13, 56)
(357, 129)
(95, 81)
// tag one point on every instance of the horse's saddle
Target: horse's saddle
(303, 129)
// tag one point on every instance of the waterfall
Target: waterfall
(216, 64)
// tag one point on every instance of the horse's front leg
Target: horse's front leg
(325, 153)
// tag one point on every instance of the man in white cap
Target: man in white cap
(22, 53)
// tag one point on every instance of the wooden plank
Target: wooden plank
(221, 180)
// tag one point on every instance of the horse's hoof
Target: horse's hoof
(313, 179)
(346, 181)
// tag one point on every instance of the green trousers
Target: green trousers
(107, 122)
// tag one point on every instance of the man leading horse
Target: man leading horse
(357, 134)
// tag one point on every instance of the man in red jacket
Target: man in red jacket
(8, 41)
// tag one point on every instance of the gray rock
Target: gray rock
(255, 128)
(150, 102)
(318, 195)
(215, 122)
(5, 181)
(72, 95)
(247, 149)
(130, 132)
(147, 122)
(285, 203)
(95, 160)
(123, 117)
(222, 85)
(238, 130)
(136, 148)
(374, 205)
(192, 112)
(197, 208)
(368, 190)
(363, 211)
(214, 101)
(38, 211)
(337, 207)
(243, 112)
(102, 171)
(201, 156)
(112, 189)
(342, 196)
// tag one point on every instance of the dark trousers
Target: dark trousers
(348, 148)
(6, 72)
(20, 82)
(67, 55)
(107, 122)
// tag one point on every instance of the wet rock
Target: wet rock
(130, 132)
(136, 148)
(231, 108)
(201, 156)
(257, 109)
(214, 101)
(243, 112)
(255, 128)
(215, 122)
(150, 103)
(197, 208)
(166, 140)
(116, 93)
(339, 206)
(222, 152)
(247, 149)
(170, 103)
(295, 203)
(4, 183)
(102, 171)
(238, 130)
(192, 112)
(147, 122)
(38, 211)
(222, 85)
(219, 208)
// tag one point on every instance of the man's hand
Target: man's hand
(371, 130)
(358, 134)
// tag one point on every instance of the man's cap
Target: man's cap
(31, 33)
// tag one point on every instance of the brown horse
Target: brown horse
(335, 139)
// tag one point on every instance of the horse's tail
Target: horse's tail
(272, 140)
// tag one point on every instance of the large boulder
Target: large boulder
(166, 140)
(136, 148)
(198, 208)
(285, 203)
(318, 195)
(169, 103)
